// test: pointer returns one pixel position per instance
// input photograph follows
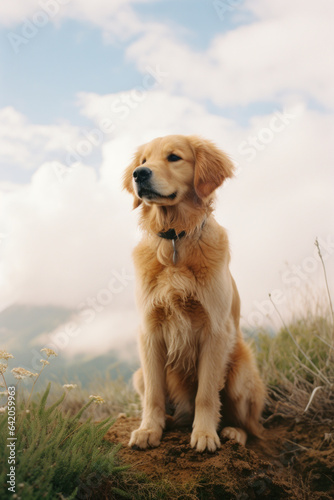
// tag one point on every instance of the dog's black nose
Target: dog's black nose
(142, 174)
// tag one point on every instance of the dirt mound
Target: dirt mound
(293, 461)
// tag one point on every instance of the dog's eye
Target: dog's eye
(173, 157)
(144, 161)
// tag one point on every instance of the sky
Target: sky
(83, 83)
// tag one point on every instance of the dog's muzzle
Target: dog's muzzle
(142, 180)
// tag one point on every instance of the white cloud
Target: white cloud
(26, 145)
(13, 12)
(112, 328)
(156, 113)
(64, 238)
(286, 51)
(263, 9)
(116, 19)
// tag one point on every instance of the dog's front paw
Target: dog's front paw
(144, 438)
(203, 440)
(238, 435)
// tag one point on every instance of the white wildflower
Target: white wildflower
(97, 399)
(70, 386)
(22, 373)
(5, 355)
(3, 368)
(49, 352)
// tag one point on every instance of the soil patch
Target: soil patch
(293, 461)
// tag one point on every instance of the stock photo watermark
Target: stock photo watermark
(277, 123)
(11, 439)
(225, 7)
(255, 144)
(31, 26)
(87, 312)
(120, 109)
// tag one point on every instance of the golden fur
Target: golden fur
(191, 347)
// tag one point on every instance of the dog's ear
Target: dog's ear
(128, 176)
(212, 166)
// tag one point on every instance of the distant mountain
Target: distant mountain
(20, 325)
(84, 371)
(27, 322)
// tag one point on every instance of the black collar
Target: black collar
(171, 235)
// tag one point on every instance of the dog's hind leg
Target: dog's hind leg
(243, 396)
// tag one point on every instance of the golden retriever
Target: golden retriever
(191, 347)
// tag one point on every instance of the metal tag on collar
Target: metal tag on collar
(174, 251)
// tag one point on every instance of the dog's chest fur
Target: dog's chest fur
(173, 309)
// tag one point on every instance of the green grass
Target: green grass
(57, 453)
(297, 365)
(280, 359)
(119, 397)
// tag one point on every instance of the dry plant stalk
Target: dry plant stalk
(297, 398)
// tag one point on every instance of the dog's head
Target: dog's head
(168, 169)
